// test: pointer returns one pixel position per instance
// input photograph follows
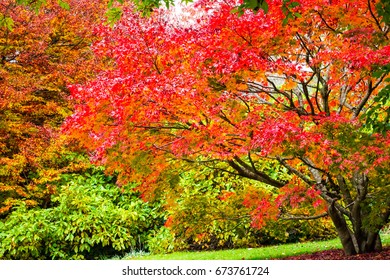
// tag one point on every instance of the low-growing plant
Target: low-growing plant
(213, 212)
(162, 241)
(91, 217)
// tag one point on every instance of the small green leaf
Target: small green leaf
(7, 22)
(235, 10)
(113, 15)
(264, 6)
(252, 4)
(294, 4)
(64, 5)
(297, 15)
(286, 19)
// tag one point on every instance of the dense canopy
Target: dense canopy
(281, 102)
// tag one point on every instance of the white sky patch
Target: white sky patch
(187, 15)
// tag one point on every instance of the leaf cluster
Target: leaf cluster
(92, 217)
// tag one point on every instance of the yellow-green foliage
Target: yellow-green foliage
(209, 213)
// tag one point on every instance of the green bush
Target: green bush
(161, 242)
(92, 217)
(209, 213)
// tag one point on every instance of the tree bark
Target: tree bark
(356, 240)
(342, 230)
(347, 211)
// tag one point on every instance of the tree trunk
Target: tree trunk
(343, 231)
(357, 241)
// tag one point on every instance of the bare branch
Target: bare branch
(344, 191)
(309, 163)
(223, 116)
(160, 127)
(343, 97)
(327, 25)
(293, 217)
(376, 19)
(296, 172)
(247, 171)
(306, 93)
(369, 92)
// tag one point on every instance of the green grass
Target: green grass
(263, 253)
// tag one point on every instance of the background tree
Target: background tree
(253, 96)
(42, 53)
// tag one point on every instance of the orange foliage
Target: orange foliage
(41, 54)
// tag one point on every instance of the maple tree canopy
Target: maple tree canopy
(277, 102)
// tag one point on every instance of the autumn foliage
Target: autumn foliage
(43, 52)
(277, 101)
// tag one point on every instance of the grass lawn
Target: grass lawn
(263, 253)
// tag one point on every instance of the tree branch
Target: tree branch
(369, 92)
(376, 19)
(247, 171)
(306, 93)
(293, 217)
(296, 172)
(344, 191)
(327, 25)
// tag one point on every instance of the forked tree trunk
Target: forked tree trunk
(346, 200)
(355, 240)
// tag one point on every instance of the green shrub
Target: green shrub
(210, 213)
(161, 242)
(92, 217)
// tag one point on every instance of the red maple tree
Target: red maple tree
(278, 102)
